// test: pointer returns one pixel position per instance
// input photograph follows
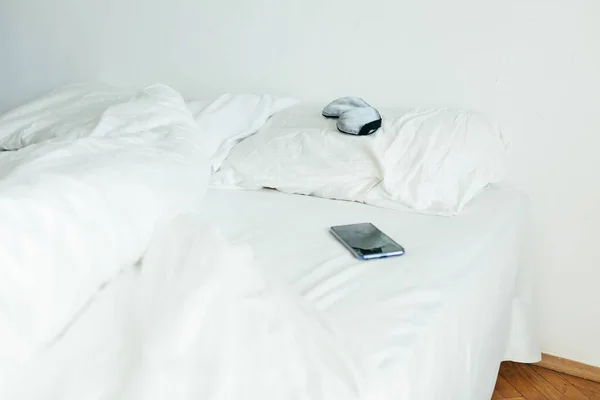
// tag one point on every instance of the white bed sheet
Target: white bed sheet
(432, 324)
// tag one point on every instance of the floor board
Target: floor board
(589, 388)
(530, 382)
(560, 383)
(505, 389)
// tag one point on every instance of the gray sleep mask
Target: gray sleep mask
(360, 121)
(343, 104)
(356, 116)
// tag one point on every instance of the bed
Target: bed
(434, 323)
(127, 275)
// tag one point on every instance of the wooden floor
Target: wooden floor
(530, 382)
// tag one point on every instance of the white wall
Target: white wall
(532, 64)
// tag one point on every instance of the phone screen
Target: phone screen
(365, 241)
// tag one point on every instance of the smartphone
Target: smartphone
(366, 242)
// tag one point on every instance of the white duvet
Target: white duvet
(112, 289)
(76, 212)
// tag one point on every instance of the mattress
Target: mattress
(432, 324)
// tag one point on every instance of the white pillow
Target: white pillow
(251, 112)
(430, 161)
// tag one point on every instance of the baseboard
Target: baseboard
(570, 367)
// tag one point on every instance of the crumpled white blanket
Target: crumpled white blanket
(111, 289)
(76, 212)
(193, 320)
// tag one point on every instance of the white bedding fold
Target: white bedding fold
(251, 111)
(195, 320)
(76, 212)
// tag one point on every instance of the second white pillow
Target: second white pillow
(429, 161)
